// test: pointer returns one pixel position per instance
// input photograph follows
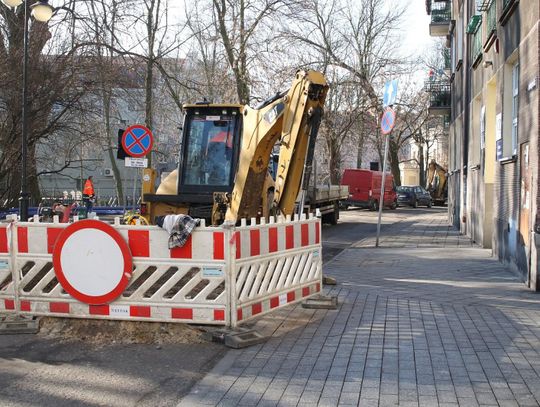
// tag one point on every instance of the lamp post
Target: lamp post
(41, 11)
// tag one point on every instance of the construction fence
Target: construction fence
(221, 276)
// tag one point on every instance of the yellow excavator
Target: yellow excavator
(436, 183)
(225, 154)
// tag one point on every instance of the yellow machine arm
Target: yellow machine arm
(436, 180)
(293, 120)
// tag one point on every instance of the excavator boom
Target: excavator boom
(293, 121)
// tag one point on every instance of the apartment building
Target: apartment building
(494, 125)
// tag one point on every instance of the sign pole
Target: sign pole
(381, 203)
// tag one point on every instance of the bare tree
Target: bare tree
(55, 88)
(355, 37)
(239, 25)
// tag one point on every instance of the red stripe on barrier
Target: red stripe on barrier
(289, 237)
(238, 245)
(272, 240)
(22, 236)
(274, 302)
(98, 309)
(317, 232)
(219, 246)
(59, 307)
(139, 311)
(3, 240)
(9, 304)
(182, 313)
(239, 314)
(26, 306)
(305, 234)
(318, 287)
(52, 236)
(305, 291)
(256, 309)
(291, 296)
(139, 243)
(184, 252)
(255, 242)
(219, 315)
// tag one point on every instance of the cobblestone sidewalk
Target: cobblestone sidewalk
(419, 324)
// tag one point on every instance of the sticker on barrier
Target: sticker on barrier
(92, 262)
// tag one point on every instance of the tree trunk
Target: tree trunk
(361, 139)
(110, 152)
(149, 98)
(32, 179)
(334, 161)
(394, 161)
(421, 165)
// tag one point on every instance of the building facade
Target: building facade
(494, 125)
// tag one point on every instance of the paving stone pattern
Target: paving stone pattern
(419, 324)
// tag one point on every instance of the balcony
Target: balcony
(441, 17)
(439, 96)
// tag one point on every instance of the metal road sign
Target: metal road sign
(136, 162)
(388, 120)
(390, 93)
(137, 141)
(92, 262)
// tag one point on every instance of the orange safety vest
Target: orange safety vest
(88, 188)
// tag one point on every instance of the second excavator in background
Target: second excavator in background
(437, 183)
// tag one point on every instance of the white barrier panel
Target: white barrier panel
(275, 264)
(221, 276)
(178, 285)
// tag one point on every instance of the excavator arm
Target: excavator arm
(292, 120)
(436, 181)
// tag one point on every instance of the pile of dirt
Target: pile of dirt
(101, 332)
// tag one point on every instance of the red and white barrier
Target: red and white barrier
(7, 292)
(275, 264)
(222, 276)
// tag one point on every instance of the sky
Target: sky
(416, 28)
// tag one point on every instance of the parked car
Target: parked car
(413, 196)
(365, 189)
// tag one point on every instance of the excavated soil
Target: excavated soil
(100, 332)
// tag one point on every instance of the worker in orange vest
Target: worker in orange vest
(88, 194)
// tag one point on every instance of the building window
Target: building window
(515, 107)
(477, 47)
(508, 7)
(491, 25)
(508, 120)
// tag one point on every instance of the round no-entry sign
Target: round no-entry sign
(92, 262)
(137, 141)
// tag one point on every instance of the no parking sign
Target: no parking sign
(137, 141)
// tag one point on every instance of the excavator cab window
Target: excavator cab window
(210, 150)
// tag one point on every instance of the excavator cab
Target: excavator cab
(209, 152)
(208, 161)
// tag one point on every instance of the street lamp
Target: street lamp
(41, 11)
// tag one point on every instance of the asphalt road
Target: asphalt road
(40, 372)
